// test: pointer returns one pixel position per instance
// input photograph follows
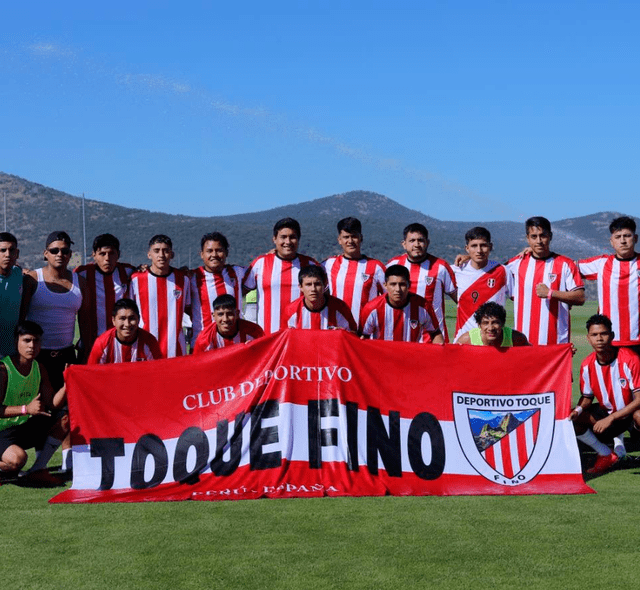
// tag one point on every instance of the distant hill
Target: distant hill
(33, 211)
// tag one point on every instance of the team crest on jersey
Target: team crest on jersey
(177, 293)
(491, 283)
(623, 382)
(428, 280)
(413, 324)
(506, 438)
(552, 276)
(365, 276)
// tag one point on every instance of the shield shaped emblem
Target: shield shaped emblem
(506, 438)
(552, 276)
(428, 280)
(365, 276)
(177, 293)
(623, 382)
(491, 283)
(413, 324)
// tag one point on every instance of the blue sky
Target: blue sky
(462, 110)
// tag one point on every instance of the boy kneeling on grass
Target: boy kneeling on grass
(612, 375)
(26, 401)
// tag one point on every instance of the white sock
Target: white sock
(618, 446)
(44, 455)
(67, 460)
(589, 439)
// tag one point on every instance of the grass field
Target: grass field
(429, 542)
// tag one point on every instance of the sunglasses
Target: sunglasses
(65, 251)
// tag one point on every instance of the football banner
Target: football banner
(322, 413)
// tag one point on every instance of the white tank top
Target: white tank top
(55, 312)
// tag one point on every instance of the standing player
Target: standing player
(10, 292)
(479, 280)
(213, 279)
(490, 319)
(126, 342)
(163, 296)
(612, 375)
(618, 277)
(275, 275)
(316, 309)
(545, 286)
(107, 282)
(353, 277)
(227, 327)
(399, 315)
(431, 277)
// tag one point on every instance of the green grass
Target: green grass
(378, 543)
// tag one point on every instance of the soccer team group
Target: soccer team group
(127, 315)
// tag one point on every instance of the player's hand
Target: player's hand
(601, 425)
(573, 349)
(461, 259)
(524, 252)
(36, 408)
(142, 268)
(573, 416)
(542, 290)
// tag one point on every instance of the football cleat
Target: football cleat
(603, 463)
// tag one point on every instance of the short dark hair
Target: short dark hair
(215, 236)
(314, 271)
(478, 233)
(287, 223)
(28, 327)
(623, 222)
(415, 228)
(106, 241)
(542, 222)
(600, 320)
(351, 225)
(161, 239)
(224, 301)
(5, 236)
(490, 309)
(125, 303)
(397, 270)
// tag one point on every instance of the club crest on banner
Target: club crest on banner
(506, 438)
(491, 283)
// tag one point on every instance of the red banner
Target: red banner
(321, 413)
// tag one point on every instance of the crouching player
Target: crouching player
(126, 342)
(227, 328)
(491, 331)
(612, 375)
(26, 403)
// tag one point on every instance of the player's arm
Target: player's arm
(51, 399)
(436, 337)
(583, 404)
(29, 285)
(628, 410)
(574, 297)
(464, 339)
(83, 316)
(519, 339)
(34, 408)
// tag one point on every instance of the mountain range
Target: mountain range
(34, 210)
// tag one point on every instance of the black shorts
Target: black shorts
(618, 427)
(54, 361)
(32, 433)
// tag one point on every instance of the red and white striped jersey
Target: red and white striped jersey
(430, 279)
(210, 339)
(276, 281)
(207, 286)
(356, 282)
(412, 323)
(162, 302)
(108, 349)
(543, 321)
(618, 294)
(612, 384)
(334, 314)
(477, 286)
(103, 291)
